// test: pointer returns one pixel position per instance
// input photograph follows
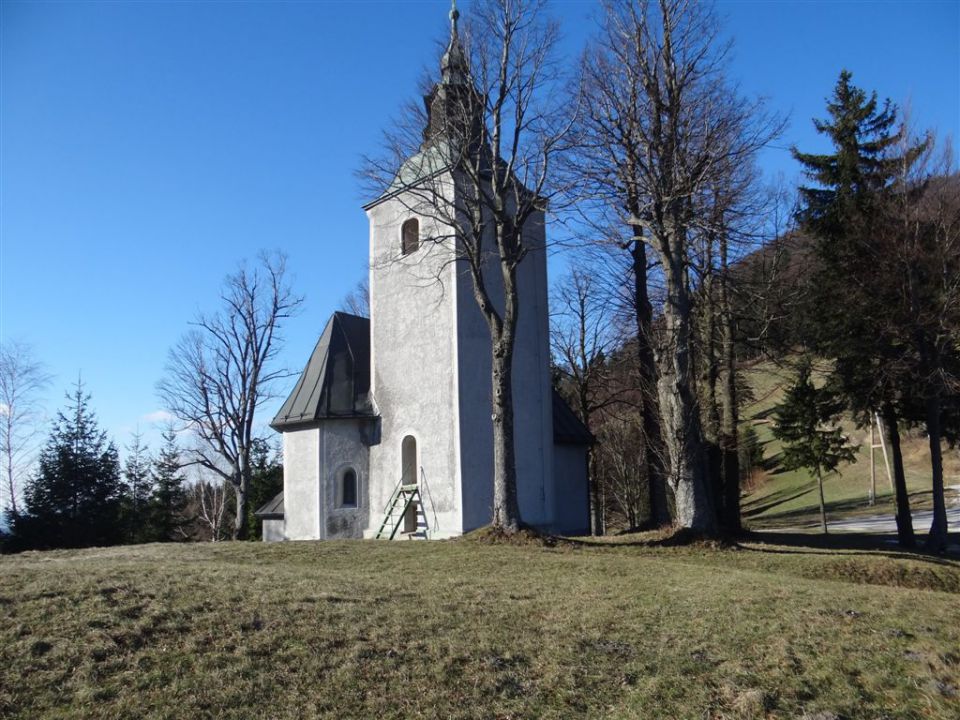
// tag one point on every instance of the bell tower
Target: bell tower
(430, 346)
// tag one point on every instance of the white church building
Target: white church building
(388, 431)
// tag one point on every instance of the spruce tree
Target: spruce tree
(169, 498)
(849, 179)
(805, 422)
(266, 480)
(73, 501)
(137, 489)
(847, 318)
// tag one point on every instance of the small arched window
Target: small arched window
(348, 488)
(410, 236)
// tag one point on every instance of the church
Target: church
(388, 431)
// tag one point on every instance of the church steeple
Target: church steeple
(453, 104)
(453, 64)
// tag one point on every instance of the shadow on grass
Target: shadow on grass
(885, 545)
(764, 503)
(780, 543)
(848, 509)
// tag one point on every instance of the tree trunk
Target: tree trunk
(506, 512)
(596, 511)
(823, 505)
(711, 415)
(937, 539)
(682, 434)
(729, 440)
(904, 519)
(241, 490)
(712, 430)
(652, 439)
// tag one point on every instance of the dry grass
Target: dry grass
(632, 629)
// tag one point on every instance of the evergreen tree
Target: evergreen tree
(849, 179)
(806, 424)
(266, 480)
(137, 490)
(169, 499)
(73, 501)
(847, 317)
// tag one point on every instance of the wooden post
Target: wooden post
(873, 467)
(883, 446)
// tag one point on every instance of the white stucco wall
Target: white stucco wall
(301, 484)
(342, 447)
(413, 346)
(572, 506)
(273, 530)
(533, 418)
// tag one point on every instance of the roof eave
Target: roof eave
(405, 188)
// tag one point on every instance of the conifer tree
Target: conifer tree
(846, 319)
(169, 499)
(266, 480)
(73, 501)
(849, 179)
(137, 489)
(806, 424)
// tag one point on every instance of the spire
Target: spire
(452, 105)
(453, 64)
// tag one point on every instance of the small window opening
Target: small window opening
(410, 232)
(348, 488)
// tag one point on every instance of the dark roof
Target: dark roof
(568, 429)
(336, 381)
(272, 510)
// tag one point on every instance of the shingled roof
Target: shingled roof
(568, 429)
(336, 381)
(336, 384)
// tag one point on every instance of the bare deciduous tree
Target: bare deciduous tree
(918, 253)
(22, 379)
(220, 373)
(491, 129)
(620, 466)
(357, 301)
(210, 504)
(582, 335)
(661, 123)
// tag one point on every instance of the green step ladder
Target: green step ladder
(404, 496)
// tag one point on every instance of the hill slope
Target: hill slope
(777, 498)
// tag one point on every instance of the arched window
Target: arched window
(348, 488)
(410, 234)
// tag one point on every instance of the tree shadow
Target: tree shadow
(764, 503)
(884, 545)
(808, 515)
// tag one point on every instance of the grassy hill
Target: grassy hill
(778, 498)
(464, 629)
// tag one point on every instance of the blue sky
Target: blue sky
(147, 147)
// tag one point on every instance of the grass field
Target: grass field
(463, 629)
(780, 498)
